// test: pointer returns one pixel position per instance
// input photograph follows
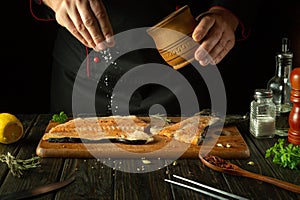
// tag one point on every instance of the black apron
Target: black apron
(81, 85)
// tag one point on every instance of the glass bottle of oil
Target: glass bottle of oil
(281, 87)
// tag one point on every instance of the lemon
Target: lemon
(11, 129)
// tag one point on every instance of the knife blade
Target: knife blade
(232, 119)
(23, 194)
(102, 140)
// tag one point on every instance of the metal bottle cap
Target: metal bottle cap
(264, 93)
(285, 55)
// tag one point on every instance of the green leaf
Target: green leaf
(60, 118)
(286, 156)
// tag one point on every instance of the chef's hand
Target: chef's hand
(87, 20)
(216, 35)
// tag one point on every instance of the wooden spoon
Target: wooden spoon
(222, 165)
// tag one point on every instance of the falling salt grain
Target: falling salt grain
(146, 161)
(250, 163)
(219, 145)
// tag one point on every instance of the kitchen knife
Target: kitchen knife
(24, 194)
(102, 140)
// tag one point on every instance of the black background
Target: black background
(27, 47)
(25, 59)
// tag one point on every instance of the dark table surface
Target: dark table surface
(96, 179)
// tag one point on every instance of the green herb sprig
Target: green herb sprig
(287, 156)
(60, 118)
(17, 166)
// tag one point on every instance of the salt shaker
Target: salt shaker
(262, 114)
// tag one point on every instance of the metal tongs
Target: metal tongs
(223, 193)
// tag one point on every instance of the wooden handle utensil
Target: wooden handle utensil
(229, 168)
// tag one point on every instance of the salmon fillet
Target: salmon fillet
(95, 128)
(189, 129)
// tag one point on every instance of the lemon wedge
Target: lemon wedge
(11, 128)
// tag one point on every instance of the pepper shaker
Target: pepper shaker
(294, 117)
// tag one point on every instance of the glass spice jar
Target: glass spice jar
(262, 114)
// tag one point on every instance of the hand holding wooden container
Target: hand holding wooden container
(172, 37)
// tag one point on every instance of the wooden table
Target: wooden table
(96, 180)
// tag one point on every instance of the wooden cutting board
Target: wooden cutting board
(227, 143)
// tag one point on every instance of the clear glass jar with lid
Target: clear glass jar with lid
(262, 114)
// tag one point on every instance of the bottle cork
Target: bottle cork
(294, 117)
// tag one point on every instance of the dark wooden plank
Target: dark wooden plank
(27, 122)
(113, 178)
(94, 180)
(49, 171)
(257, 189)
(262, 145)
(194, 170)
(135, 179)
(286, 174)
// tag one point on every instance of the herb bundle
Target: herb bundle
(17, 166)
(287, 156)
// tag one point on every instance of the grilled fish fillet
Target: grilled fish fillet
(188, 130)
(94, 128)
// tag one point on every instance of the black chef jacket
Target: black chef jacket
(82, 84)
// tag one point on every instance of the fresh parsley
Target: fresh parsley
(287, 156)
(60, 118)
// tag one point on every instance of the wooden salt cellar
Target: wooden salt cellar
(294, 117)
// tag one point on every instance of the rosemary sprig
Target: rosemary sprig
(17, 166)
